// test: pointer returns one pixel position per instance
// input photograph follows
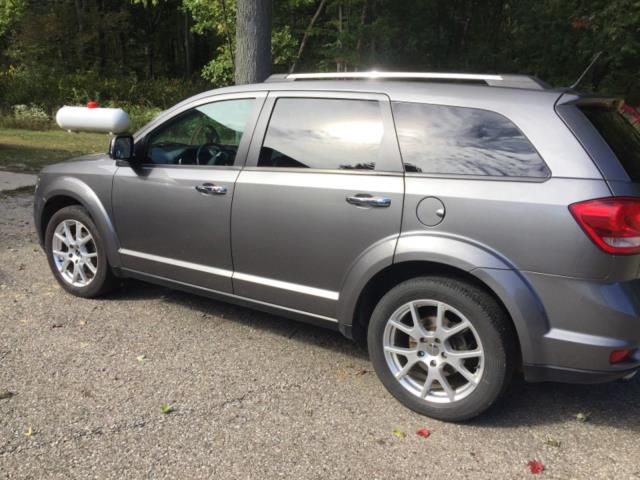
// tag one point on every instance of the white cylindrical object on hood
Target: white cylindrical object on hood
(83, 119)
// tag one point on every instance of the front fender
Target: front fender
(81, 192)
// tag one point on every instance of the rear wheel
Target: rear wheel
(442, 347)
(76, 253)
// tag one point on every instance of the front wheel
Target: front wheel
(76, 253)
(444, 348)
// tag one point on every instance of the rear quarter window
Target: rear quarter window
(444, 140)
(621, 136)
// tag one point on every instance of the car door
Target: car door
(323, 184)
(172, 207)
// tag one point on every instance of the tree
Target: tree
(253, 41)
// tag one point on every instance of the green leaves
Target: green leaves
(166, 408)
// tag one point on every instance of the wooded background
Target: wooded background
(152, 53)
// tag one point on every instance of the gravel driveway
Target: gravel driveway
(254, 396)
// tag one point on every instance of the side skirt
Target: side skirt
(298, 315)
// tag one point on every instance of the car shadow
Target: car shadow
(612, 404)
(274, 324)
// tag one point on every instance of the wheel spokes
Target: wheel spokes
(73, 251)
(456, 329)
(407, 367)
(443, 343)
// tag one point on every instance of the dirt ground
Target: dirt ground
(253, 395)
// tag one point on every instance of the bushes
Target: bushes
(27, 117)
(37, 94)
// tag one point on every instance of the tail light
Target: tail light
(613, 224)
(619, 356)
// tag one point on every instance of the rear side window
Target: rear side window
(622, 137)
(437, 139)
(323, 133)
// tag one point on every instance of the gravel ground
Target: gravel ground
(254, 395)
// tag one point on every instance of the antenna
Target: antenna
(593, 62)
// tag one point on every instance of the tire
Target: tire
(411, 361)
(88, 259)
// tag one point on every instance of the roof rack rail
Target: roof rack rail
(501, 80)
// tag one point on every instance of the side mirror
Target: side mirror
(121, 147)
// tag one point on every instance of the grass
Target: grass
(29, 151)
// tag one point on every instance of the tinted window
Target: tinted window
(464, 141)
(206, 135)
(323, 133)
(621, 136)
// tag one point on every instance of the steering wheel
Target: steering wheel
(215, 151)
(210, 135)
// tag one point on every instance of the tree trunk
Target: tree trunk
(253, 41)
(187, 46)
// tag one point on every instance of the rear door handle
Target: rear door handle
(211, 189)
(366, 200)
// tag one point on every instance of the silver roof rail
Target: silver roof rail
(516, 81)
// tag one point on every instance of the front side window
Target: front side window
(206, 135)
(436, 139)
(323, 133)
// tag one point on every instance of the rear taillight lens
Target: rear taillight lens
(612, 223)
(619, 356)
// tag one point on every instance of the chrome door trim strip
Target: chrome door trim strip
(177, 263)
(230, 296)
(294, 287)
(269, 282)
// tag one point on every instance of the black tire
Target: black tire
(103, 281)
(491, 325)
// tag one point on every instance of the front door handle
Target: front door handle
(366, 200)
(211, 189)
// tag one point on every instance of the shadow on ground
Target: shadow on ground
(612, 404)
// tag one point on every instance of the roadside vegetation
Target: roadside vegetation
(29, 150)
(146, 55)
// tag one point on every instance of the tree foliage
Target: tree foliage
(55, 51)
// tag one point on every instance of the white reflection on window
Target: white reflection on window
(323, 133)
(452, 140)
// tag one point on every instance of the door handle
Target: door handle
(211, 189)
(366, 200)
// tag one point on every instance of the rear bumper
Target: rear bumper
(542, 373)
(587, 320)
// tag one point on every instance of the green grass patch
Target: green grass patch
(29, 151)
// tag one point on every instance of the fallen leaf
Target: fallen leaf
(423, 432)
(57, 325)
(364, 371)
(398, 433)
(552, 442)
(141, 358)
(29, 432)
(6, 394)
(582, 417)
(166, 408)
(535, 466)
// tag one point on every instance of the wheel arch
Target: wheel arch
(66, 191)
(469, 263)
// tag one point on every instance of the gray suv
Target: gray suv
(464, 227)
